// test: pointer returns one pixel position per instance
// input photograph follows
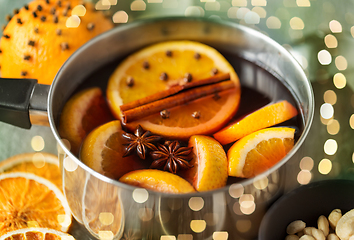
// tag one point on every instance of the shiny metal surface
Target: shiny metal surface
(91, 194)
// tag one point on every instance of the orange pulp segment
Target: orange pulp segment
(209, 162)
(83, 112)
(267, 116)
(175, 59)
(259, 151)
(31, 201)
(157, 180)
(103, 150)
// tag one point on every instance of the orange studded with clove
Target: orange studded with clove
(37, 39)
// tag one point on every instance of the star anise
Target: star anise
(172, 156)
(141, 141)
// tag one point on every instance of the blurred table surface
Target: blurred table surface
(328, 151)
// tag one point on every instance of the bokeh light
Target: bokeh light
(339, 80)
(140, 195)
(273, 22)
(198, 226)
(37, 143)
(341, 63)
(303, 3)
(297, 23)
(325, 166)
(304, 177)
(330, 97)
(333, 127)
(326, 111)
(330, 147)
(324, 57)
(196, 203)
(331, 41)
(335, 26)
(306, 163)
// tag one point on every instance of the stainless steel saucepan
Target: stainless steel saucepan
(108, 209)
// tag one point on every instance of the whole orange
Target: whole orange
(43, 34)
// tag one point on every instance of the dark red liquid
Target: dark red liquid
(258, 88)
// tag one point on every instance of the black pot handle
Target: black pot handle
(17, 97)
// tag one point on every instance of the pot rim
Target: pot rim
(138, 23)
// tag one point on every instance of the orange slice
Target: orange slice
(259, 151)
(157, 180)
(42, 164)
(175, 59)
(37, 233)
(209, 162)
(267, 116)
(31, 201)
(103, 151)
(42, 35)
(83, 112)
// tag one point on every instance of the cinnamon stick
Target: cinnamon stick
(173, 90)
(175, 100)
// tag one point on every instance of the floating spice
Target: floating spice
(6, 36)
(26, 6)
(59, 3)
(8, 17)
(65, 12)
(214, 71)
(47, 1)
(163, 76)
(140, 142)
(55, 19)
(58, 32)
(197, 56)
(34, 14)
(19, 21)
(52, 10)
(39, 7)
(216, 96)
(64, 46)
(16, 11)
(27, 57)
(90, 26)
(165, 114)
(36, 30)
(172, 157)
(43, 18)
(23, 73)
(31, 43)
(169, 53)
(146, 65)
(130, 81)
(196, 114)
(187, 77)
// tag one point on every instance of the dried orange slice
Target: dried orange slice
(259, 151)
(38, 234)
(42, 164)
(157, 180)
(267, 116)
(160, 66)
(83, 112)
(31, 201)
(43, 34)
(209, 162)
(103, 151)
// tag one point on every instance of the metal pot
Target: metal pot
(108, 209)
